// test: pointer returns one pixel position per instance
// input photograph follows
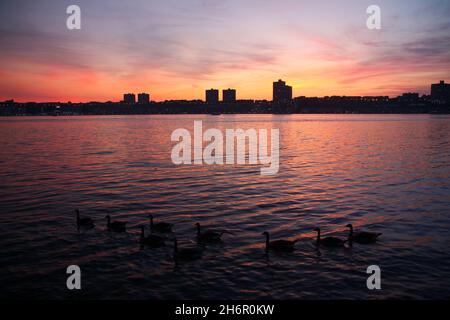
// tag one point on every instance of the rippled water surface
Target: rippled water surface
(388, 173)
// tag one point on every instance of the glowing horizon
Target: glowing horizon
(176, 50)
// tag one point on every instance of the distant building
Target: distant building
(375, 99)
(281, 92)
(212, 96)
(143, 98)
(129, 98)
(409, 97)
(7, 103)
(440, 92)
(229, 95)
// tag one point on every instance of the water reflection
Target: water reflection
(387, 173)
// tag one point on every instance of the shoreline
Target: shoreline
(213, 115)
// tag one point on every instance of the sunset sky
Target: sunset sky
(175, 49)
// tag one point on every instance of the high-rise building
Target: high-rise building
(229, 95)
(281, 92)
(440, 92)
(212, 96)
(129, 98)
(143, 98)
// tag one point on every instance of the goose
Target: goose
(279, 245)
(151, 240)
(160, 226)
(84, 222)
(209, 235)
(362, 237)
(329, 241)
(186, 254)
(116, 226)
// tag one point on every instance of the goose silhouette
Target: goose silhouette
(209, 236)
(279, 245)
(328, 241)
(362, 237)
(151, 240)
(84, 222)
(115, 226)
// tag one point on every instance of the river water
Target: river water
(386, 173)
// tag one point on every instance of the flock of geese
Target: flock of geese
(211, 236)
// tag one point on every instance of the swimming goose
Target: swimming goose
(186, 254)
(209, 235)
(279, 245)
(329, 241)
(151, 240)
(116, 226)
(362, 237)
(84, 222)
(160, 226)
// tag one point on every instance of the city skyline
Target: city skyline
(281, 93)
(175, 50)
